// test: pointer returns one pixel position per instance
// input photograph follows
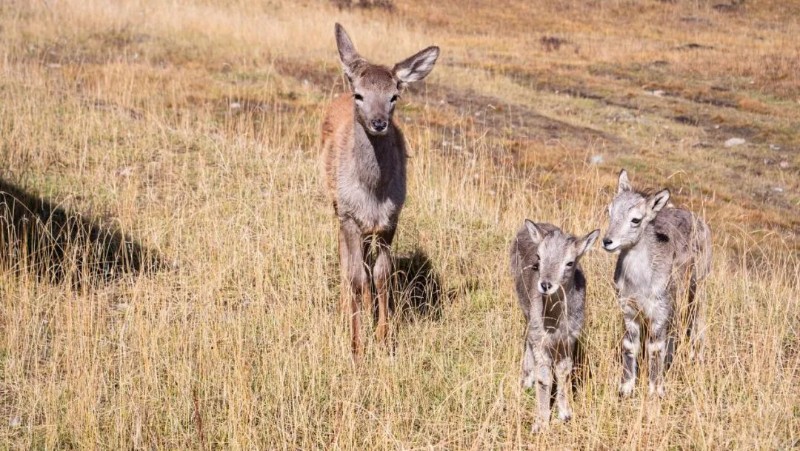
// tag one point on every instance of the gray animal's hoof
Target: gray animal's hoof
(659, 390)
(626, 389)
(539, 426)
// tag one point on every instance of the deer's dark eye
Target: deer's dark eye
(394, 98)
(636, 220)
(358, 97)
(535, 266)
(570, 264)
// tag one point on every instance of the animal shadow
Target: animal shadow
(416, 287)
(61, 246)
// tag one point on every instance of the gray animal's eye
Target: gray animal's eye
(636, 220)
(535, 267)
(358, 97)
(394, 98)
(570, 264)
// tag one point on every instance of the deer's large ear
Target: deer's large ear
(416, 67)
(584, 243)
(657, 201)
(535, 232)
(624, 184)
(350, 58)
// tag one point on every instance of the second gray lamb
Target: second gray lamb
(551, 288)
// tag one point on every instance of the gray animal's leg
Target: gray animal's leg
(631, 344)
(355, 278)
(528, 365)
(380, 276)
(656, 354)
(564, 388)
(544, 386)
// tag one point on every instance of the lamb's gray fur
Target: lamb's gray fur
(665, 252)
(551, 289)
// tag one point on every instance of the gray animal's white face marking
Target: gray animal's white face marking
(558, 255)
(629, 213)
(376, 89)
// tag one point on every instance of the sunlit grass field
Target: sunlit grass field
(192, 127)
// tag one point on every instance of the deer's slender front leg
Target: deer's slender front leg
(380, 275)
(631, 344)
(345, 293)
(355, 275)
(564, 387)
(367, 302)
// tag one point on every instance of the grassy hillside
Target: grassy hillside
(192, 127)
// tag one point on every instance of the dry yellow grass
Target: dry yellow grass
(192, 125)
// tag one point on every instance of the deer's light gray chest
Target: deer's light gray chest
(372, 186)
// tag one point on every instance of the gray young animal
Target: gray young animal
(364, 168)
(551, 289)
(664, 253)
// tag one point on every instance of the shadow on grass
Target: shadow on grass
(59, 246)
(416, 287)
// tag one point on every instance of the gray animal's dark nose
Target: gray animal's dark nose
(607, 242)
(379, 125)
(546, 286)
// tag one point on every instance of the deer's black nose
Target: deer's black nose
(607, 242)
(379, 125)
(545, 286)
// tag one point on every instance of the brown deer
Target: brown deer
(364, 168)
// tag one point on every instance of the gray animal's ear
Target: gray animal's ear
(350, 58)
(416, 67)
(624, 184)
(658, 200)
(584, 243)
(534, 231)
